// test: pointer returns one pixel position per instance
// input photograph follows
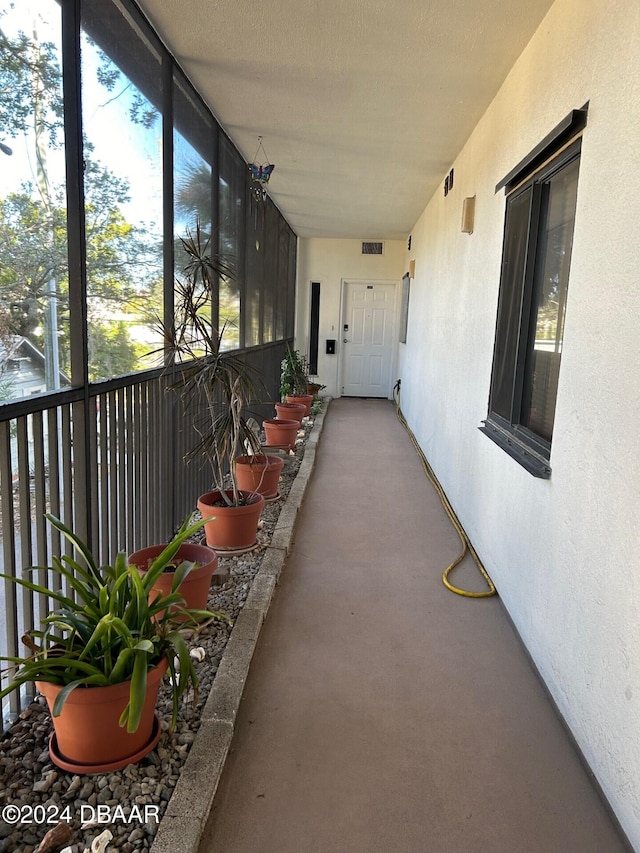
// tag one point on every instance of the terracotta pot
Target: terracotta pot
(195, 587)
(291, 411)
(281, 433)
(88, 737)
(259, 473)
(307, 399)
(231, 528)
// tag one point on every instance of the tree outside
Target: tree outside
(123, 247)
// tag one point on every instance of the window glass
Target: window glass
(122, 101)
(251, 306)
(283, 278)
(270, 290)
(516, 236)
(291, 284)
(555, 237)
(193, 145)
(538, 235)
(231, 235)
(34, 281)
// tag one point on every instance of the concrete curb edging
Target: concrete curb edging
(184, 821)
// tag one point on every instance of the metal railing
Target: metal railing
(109, 462)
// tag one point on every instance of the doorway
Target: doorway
(368, 339)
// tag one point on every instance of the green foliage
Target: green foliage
(107, 631)
(316, 406)
(119, 267)
(294, 374)
(29, 262)
(193, 193)
(141, 111)
(29, 69)
(7, 392)
(7, 383)
(122, 261)
(112, 351)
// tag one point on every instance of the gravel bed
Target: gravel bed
(127, 804)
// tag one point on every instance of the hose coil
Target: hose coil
(467, 547)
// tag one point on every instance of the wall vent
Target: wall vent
(370, 248)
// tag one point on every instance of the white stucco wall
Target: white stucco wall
(564, 553)
(331, 262)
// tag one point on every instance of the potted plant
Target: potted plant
(259, 472)
(102, 653)
(315, 388)
(294, 379)
(202, 563)
(220, 385)
(291, 411)
(280, 433)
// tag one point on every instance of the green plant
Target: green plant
(211, 379)
(294, 374)
(316, 406)
(109, 629)
(316, 387)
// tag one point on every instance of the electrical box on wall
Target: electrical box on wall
(331, 347)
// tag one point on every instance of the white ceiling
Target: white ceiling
(362, 104)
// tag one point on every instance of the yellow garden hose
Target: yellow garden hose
(466, 545)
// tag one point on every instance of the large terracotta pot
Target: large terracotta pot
(87, 735)
(306, 399)
(259, 473)
(195, 587)
(281, 432)
(231, 528)
(290, 411)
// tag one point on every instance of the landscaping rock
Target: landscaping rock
(136, 796)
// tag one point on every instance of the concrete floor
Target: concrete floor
(382, 713)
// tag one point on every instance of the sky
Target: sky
(128, 150)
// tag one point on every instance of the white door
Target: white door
(368, 339)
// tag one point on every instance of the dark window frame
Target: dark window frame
(314, 327)
(524, 187)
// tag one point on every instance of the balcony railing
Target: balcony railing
(110, 463)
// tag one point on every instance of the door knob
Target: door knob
(345, 341)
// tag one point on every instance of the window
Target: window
(538, 235)
(314, 328)
(122, 96)
(194, 138)
(34, 274)
(232, 239)
(107, 156)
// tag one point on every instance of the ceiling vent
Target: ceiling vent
(372, 248)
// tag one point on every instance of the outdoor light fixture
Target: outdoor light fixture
(468, 214)
(6, 149)
(260, 173)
